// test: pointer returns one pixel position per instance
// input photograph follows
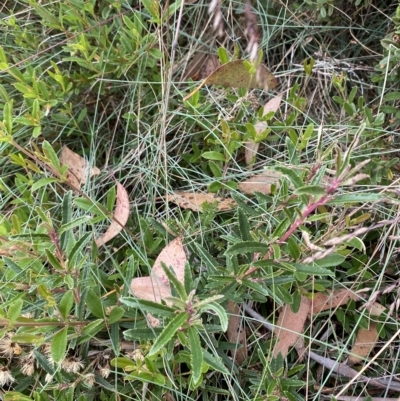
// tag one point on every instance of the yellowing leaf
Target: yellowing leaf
(156, 286)
(260, 183)
(121, 214)
(235, 75)
(194, 201)
(290, 326)
(78, 168)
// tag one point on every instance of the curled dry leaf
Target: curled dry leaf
(194, 201)
(236, 333)
(156, 287)
(290, 326)
(78, 168)
(235, 75)
(201, 66)
(366, 338)
(332, 300)
(260, 183)
(120, 217)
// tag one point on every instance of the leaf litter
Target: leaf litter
(120, 216)
(234, 74)
(156, 287)
(79, 169)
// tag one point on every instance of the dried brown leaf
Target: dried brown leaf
(235, 75)
(273, 104)
(252, 31)
(366, 338)
(332, 300)
(78, 168)
(260, 183)
(290, 326)
(236, 333)
(201, 66)
(194, 201)
(250, 152)
(121, 215)
(156, 287)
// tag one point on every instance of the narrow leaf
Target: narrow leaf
(196, 353)
(168, 332)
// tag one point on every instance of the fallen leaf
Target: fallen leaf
(121, 214)
(251, 146)
(236, 332)
(366, 338)
(78, 168)
(260, 183)
(156, 287)
(201, 66)
(290, 326)
(235, 75)
(194, 201)
(332, 300)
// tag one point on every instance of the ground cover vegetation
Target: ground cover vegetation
(167, 239)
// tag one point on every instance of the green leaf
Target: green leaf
(73, 223)
(148, 306)
(16, 396)
(180, 288)
(93, 328)
(247, 247)
(25, 338)
(94, 304)
(59, 345)
(220, 311)
(213, 155)
(355, 198)
(207, 259)
(314, 190)
(312, 270)
(43, 182)
(66, 303)
(188, 278)
(141, 334)
(14, 310)
(215, 363)
(244, 226)
(196, 353)
(51, 154)
(291, 175)
(332, 260)
(116, 314)
(76, 251)
(168, 332)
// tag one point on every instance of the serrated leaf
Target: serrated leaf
(148, 306)
(168, 332)
(220, 311)
(215, 363)
(141, 334)
(59, 345)
(179, 287)
(196, 353)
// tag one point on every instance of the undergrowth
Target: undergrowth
(107, 79)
